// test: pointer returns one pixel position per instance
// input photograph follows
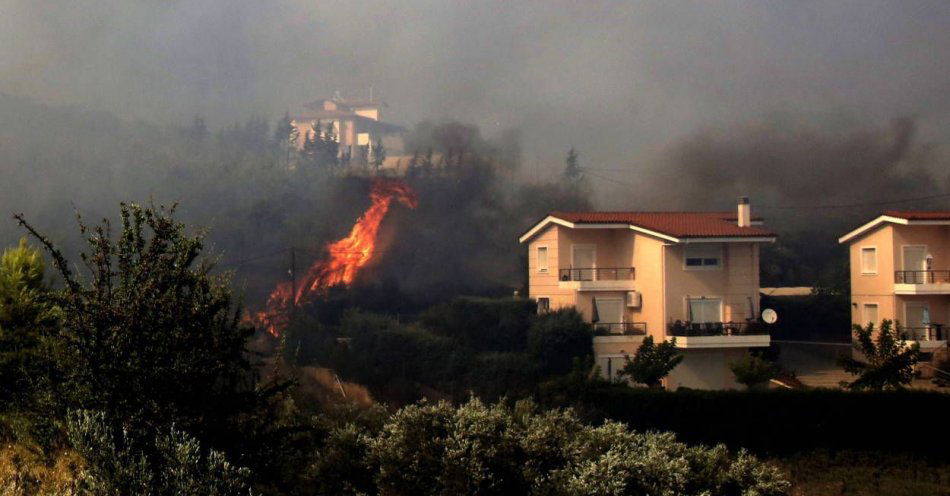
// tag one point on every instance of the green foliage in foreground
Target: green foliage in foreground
(28, 320)
(887, 363)
(173, 464)
(494, 449)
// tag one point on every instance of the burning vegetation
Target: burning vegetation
(345, 258)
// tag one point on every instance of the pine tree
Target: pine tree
(285, 139)
(379, 155)
(572, 170)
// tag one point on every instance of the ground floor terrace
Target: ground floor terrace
(924, 319)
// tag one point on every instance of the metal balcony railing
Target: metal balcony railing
(620, 328)
(598, 274)
(932, 332)
(922, 276)
(687, 329)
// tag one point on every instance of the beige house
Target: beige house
(900, 270)
(689, 275)
(356, 126)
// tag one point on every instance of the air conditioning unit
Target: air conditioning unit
(634, 299)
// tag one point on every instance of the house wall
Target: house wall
(937, 239)
(648, 253)
(545, 284)
(874, 288)
(736, 282)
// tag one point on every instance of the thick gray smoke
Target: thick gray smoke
(621, 81)
(799, 173)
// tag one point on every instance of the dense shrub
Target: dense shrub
(769, 422)
(753, 370)
(483, 324)
(557, 338)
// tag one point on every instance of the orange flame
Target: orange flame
(346, 257)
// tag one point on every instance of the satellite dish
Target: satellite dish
(769, 316)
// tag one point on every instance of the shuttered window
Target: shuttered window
(869, 260)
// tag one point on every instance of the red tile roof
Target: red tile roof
(919, 215)
(676, 224)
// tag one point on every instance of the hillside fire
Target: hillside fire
(345, 259)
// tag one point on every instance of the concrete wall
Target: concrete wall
(705, 369)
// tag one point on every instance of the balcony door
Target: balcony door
(915, 257)
(916, 318)
(704, 310)
(584, 262)
(609, 313)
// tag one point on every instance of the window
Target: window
(703, 256)
(869, 260)
(870, 314)
(542, 259)
(544, 305)
(704, 310)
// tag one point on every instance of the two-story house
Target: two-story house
(900, 270)
(693, 276)
(356, 126)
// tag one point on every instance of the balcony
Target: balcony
(597, 279)
(915, 282)
(620, 328)
(719, 334)
(929, 337)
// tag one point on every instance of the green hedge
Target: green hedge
(773, 422)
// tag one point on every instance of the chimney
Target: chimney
(744, 216)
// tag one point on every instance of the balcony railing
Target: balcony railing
(689, 329)
(933, 332)
(922, 276)
(620, 328)
(598, 274)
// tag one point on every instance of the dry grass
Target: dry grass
(25, 472)
(865, 474)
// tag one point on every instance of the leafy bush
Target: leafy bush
(493, 449)
(753, 370)
(652, 362)
(557, 338)
(887, 361)
(150, 337)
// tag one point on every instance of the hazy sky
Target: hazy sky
(622, 81)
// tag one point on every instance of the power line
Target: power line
(864, 204)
